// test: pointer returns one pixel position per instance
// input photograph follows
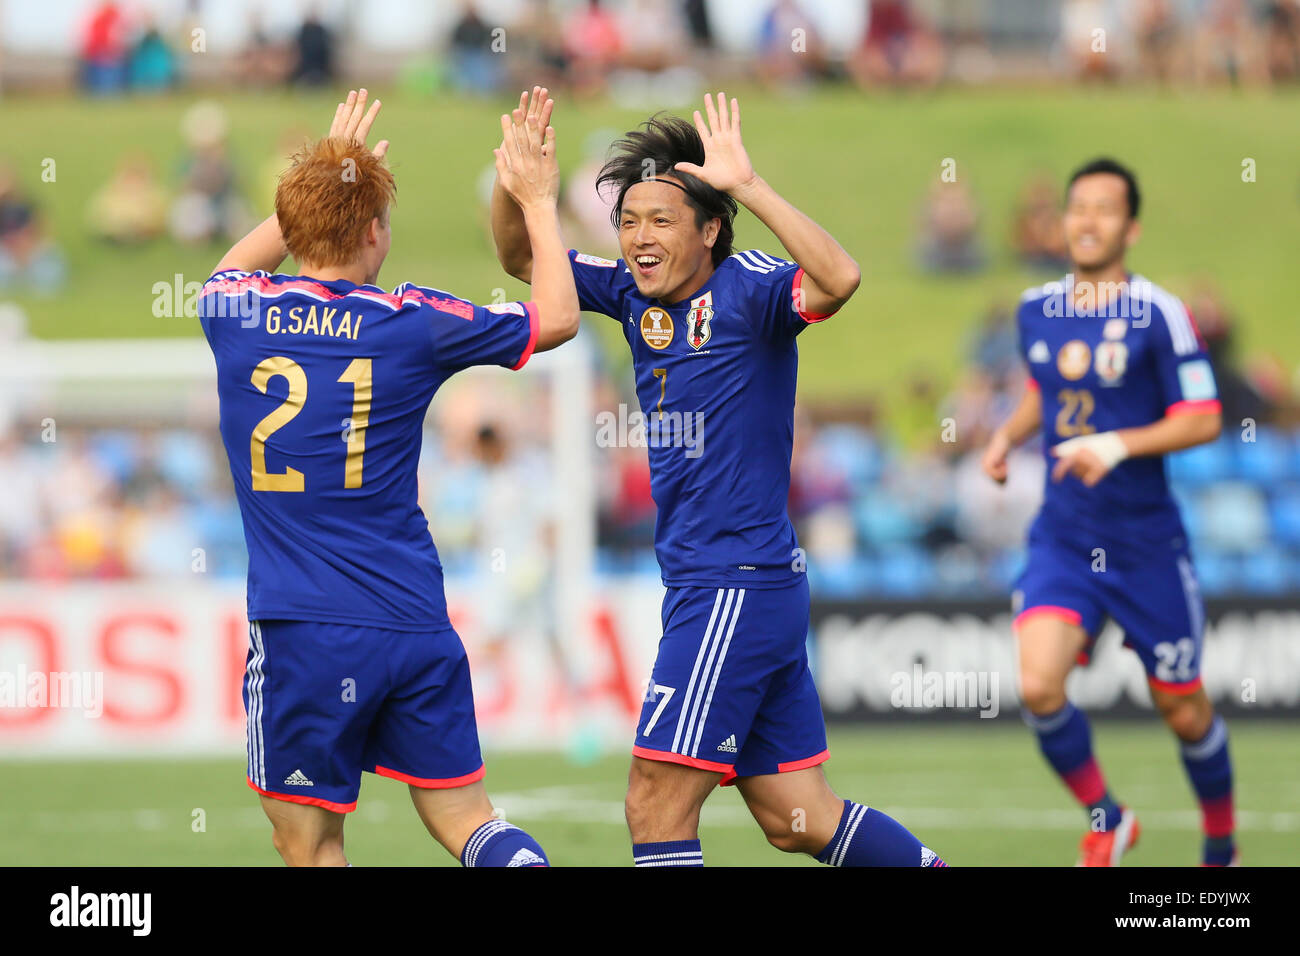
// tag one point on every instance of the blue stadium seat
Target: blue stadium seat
(847, 579)
(1266, 460)
(958, 571)
(1236, 517)
(1002, 569)
(1284, 514)
(883, 520)
(1218, 573)
(905, 571)
(185, 459)
(1204, 464)
(855, 452)
(1266, 571)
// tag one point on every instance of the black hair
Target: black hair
(653, 150)
(1106, 165)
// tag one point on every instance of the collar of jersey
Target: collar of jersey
(1093, 312)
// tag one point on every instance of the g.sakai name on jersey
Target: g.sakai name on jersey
(312, 320)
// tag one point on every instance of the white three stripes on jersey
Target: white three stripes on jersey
(256, 678)
(756, 261)
(712, 653)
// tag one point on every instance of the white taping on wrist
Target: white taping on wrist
(1107, 446)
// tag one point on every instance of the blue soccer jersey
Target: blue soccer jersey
(323, 388)
(715, 379)
(1130, 363)
(1118, 549)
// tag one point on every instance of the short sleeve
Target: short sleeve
(464, 334)
(220, 287)
(600, 283)
(1182, 364)
(776, 298)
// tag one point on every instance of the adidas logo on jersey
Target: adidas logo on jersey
(1039, 352)
(526, 857)
(728, 746)
(298, 779)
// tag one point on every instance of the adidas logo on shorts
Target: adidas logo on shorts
(728, 746)
(298, 779)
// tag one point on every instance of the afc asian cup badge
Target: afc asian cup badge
(699, 321)
(656, 328)
(1073, 359)
(1112, 360)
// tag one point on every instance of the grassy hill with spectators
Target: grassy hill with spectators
(859, 165)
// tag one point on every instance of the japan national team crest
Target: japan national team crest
(699, 321)
(1112, 360)
(1073, 359)
(656, 328)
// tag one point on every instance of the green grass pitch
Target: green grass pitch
(980, 796)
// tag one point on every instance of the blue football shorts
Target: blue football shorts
(731, 690)
(1149, 588)
(327, 701)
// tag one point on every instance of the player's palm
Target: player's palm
(525, 160)
(353, 121)
(726, 164)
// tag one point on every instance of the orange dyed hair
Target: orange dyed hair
(327, 197)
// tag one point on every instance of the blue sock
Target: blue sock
(867, 837)
(497, 843)
(1066, 741)
(1210, 770)
(670, 853)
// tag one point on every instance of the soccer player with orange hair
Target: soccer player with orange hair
(323, 380)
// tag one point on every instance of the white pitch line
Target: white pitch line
(578, 805)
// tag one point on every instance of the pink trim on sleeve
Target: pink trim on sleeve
(1194, 408)
(531, 309)
(795, 296)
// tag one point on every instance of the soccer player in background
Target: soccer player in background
(712, 334)
(323, 380)
(1118, 378)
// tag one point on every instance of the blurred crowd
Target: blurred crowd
(885, 504)
(884, 507)
(641, 48)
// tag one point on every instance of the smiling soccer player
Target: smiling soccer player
(353, 662)
(712, 334)
(1119, 378)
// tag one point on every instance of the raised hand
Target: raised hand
(353, 121)
(525, 160)
(539, 105)
(726, 164)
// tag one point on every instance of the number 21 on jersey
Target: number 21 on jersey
(358, 373)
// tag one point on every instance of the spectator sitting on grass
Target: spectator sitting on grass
(132, 206)
(28, 258)
(949, 230)
(1039, 233)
